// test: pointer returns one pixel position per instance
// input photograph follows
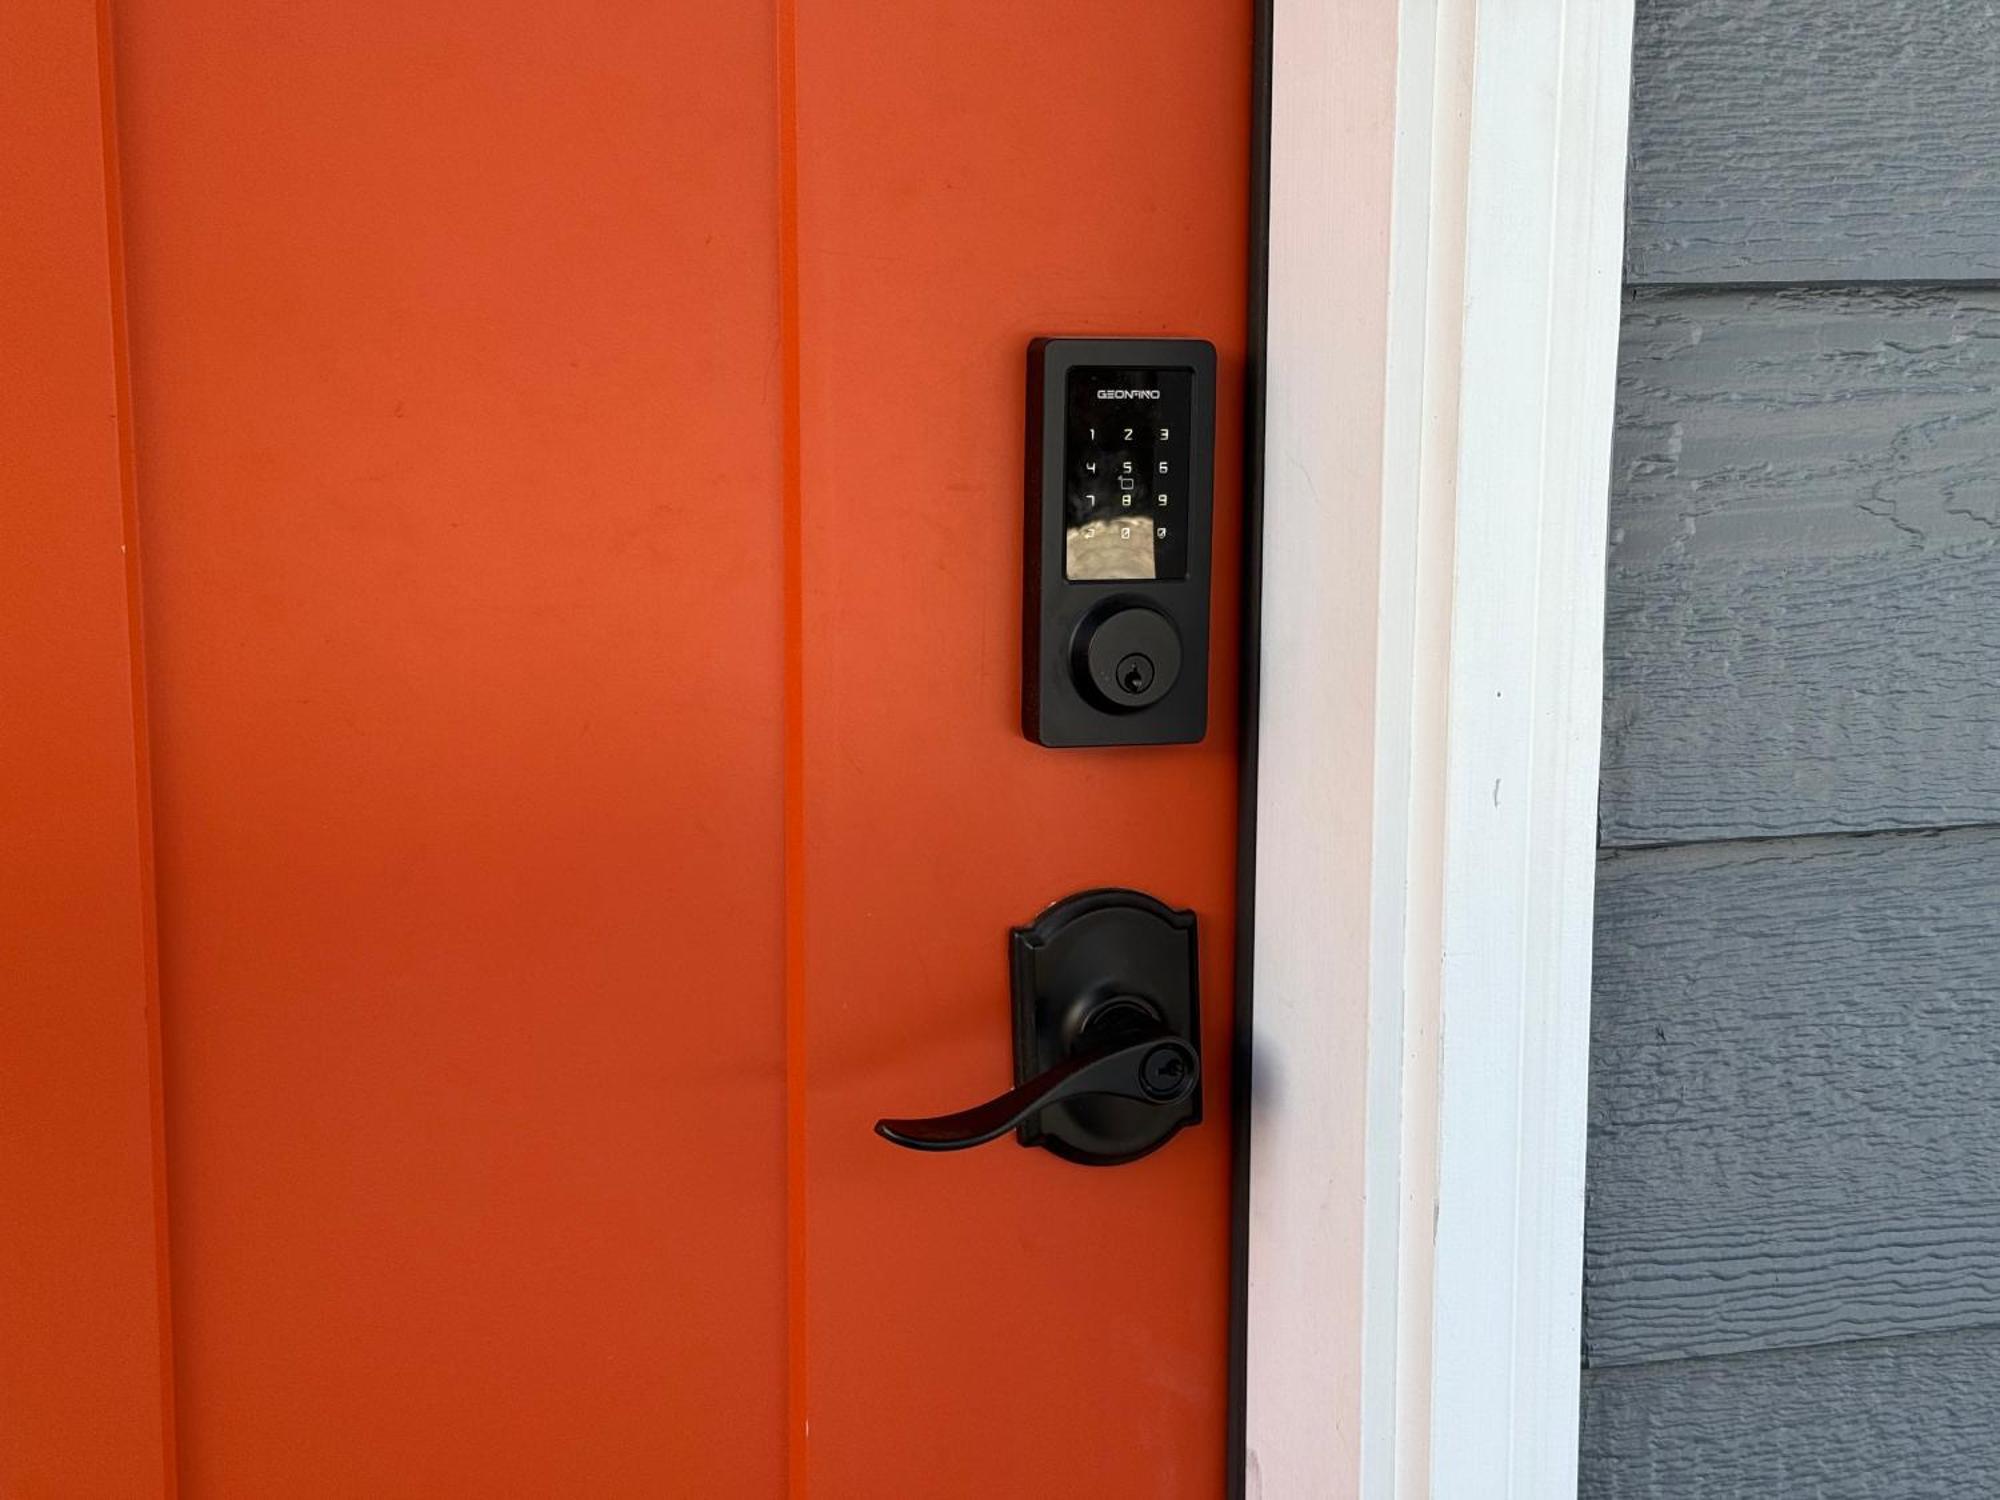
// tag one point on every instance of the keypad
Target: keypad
(1126, 459)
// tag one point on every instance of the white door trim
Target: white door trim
(1447, 199)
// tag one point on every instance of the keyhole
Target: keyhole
(1164, 1074)
(1135, 673)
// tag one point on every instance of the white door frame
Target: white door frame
(1446, 230)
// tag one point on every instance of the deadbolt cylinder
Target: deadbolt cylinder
(1127, 656)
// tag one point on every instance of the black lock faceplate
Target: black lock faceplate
(1093, 966)
(1120, 506)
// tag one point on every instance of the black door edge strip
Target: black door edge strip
(1241, 1082)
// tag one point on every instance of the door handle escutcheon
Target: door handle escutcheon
(1151, 1065)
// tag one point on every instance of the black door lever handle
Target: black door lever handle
(1107, 1036)
(1153, 1066)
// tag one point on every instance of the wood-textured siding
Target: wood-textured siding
(1903, 1419)
(1815, 140)
(1795, 1095)
(1792, 1237)
(1804, 592)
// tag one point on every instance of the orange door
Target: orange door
(578, 481)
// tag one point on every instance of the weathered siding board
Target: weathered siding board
(1795, 1095)
(1815, 140)
(1803, 606)
(1892, 1420)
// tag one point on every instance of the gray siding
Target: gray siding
(1792, 1232)
(1804, 564)
(1907, 1419)
(1815, 140)
(1795, 1110)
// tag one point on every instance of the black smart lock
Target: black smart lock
(1120, 500)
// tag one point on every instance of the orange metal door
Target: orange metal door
(578, 480)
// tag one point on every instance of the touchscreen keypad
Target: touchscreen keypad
(1126, 457)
